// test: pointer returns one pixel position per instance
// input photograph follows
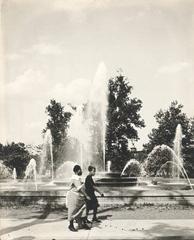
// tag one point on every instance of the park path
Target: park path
(56, 229)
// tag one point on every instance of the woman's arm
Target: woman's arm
(80, 188)
(98, 190)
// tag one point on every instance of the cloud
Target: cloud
(77, 9)
(79, 5)
(30, 84)
(13, 56)
(174, 68)
(44, 49)
(75, 92)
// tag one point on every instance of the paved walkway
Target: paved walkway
(56, 229)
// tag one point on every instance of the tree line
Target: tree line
(123, 122)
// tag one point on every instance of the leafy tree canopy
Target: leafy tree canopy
(58, 124)
(15, 155)
(58, 121)
(167, 122)
(123, 120)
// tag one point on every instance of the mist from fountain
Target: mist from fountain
(64, 172)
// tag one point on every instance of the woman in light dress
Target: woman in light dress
(76, 201)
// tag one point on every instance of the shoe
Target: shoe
(96, 220)
(71, 228)
(85, 226)
(88, 221)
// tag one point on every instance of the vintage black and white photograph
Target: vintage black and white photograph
(96, 119)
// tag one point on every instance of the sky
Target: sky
(52, 49)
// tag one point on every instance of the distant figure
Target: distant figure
(75, 201)
(90, 189)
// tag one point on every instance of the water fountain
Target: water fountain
(79, 135)
(14, 174)
(47, 154)
(134, 168)
(87, 127)
(177, 169)
(64, 172)
(176, 166)
(108, 166)
(177, 157)
(96, 115)
(31, 172)
(88, 130)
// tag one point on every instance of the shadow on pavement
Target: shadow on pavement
(164, 230)
(40, 220)
(181, 199)
(24, 238)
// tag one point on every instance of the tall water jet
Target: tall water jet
(87, 127)
(108, 166)
(14, 175)
(47, 154)
(97, 117)
(178, 160)
(31, 171)
(79, 136)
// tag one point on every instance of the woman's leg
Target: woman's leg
(71, 226)
(95, 219)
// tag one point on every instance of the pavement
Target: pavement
(57, 229)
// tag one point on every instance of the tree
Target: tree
(123, 120)
(157, 160)
(189, 152)
(15, 155)
(58, 124)
(165, 133)
(167, 122)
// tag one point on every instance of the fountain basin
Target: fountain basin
(114, 179)
(113, 195)
(141, 190)
(107, 180)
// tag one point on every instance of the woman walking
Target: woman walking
(90, 189)
(75, 201)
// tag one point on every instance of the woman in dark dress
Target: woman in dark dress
(90, 189)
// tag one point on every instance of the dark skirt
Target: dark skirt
(93, 203)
